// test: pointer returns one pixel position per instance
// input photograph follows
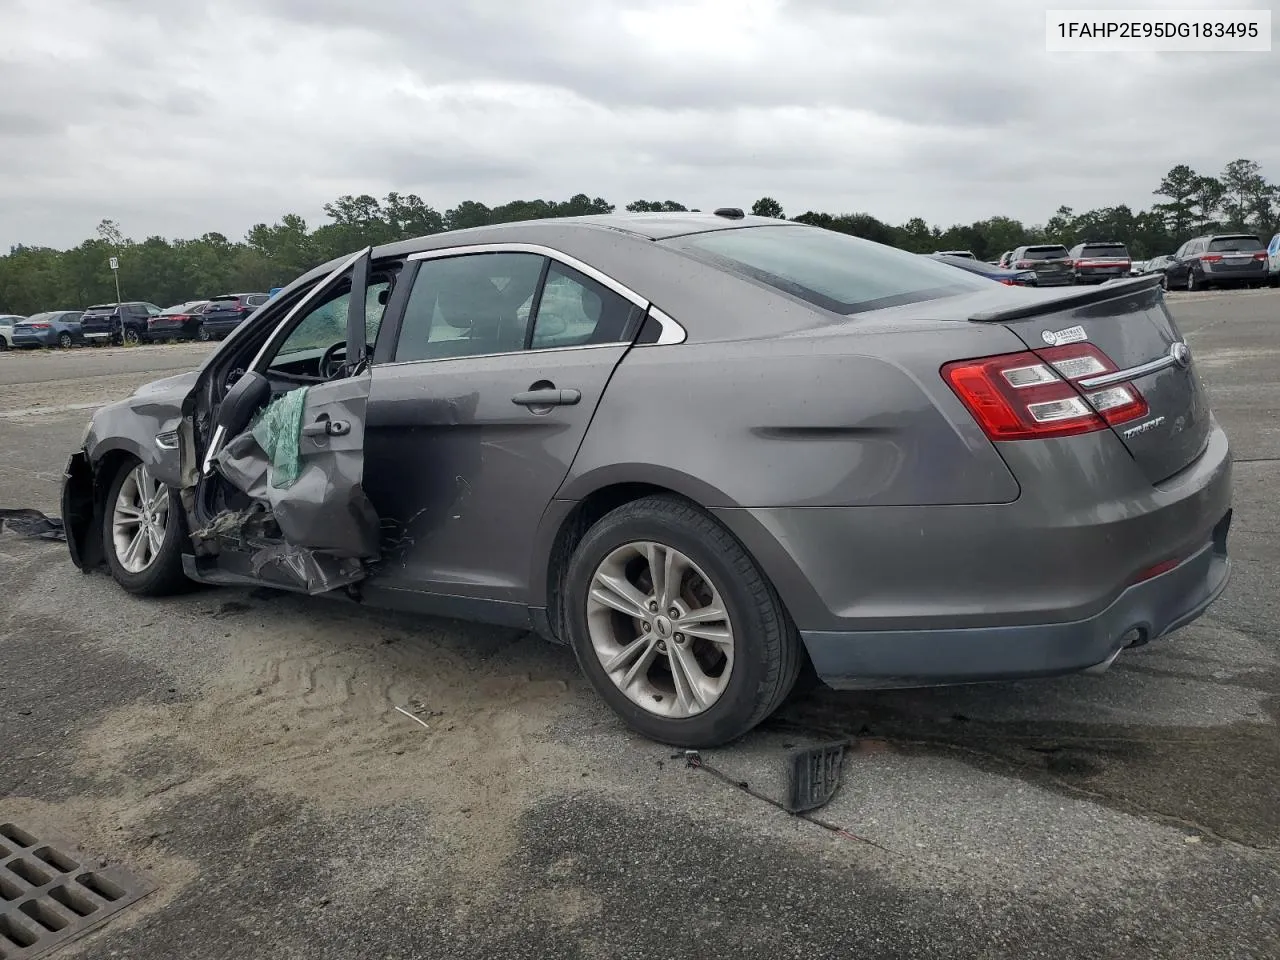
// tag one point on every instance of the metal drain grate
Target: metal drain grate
(49, 894)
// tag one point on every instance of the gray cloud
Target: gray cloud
(177, 118)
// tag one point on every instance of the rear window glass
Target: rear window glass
(832, 270)
(1225, 244)
(40, 317)
(1044, 253)
(1105, 250)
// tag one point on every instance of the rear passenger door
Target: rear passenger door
(479, 401)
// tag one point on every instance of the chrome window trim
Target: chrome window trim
(1170, 359)
(616, 344)
(672, 331)
(536, 248)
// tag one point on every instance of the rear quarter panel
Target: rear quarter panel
(852, 414)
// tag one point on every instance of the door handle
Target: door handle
(549, 397)
(324, 427)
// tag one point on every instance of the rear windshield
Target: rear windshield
(1105, 250)
(832, 270)
(1227, 244)
(1044, 253)
(102, 308)
(41, 317)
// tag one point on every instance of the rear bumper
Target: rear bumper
(1145, 611)
(220, 328)
(44, 338)
(1054, 280)
(1048, 583)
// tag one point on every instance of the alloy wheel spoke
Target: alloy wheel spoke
(160, 500)
(133, 554)
(617, 592)
(721, 635)
(127, 513)
(631, 651)
(684, 676)
(641, 666)
(154, 537)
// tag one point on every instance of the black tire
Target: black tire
(65, 340)
(130, 336)
(4, 344)
(203, 335)
(164, 576)
(1192, 286)
(767, 649)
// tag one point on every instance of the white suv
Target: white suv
(1273, 260)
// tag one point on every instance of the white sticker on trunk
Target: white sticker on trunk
(1057, 338)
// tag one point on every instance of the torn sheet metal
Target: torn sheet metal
(301, 465)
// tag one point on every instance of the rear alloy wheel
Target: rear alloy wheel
(1192, 286)
(204, 334)
(676, 627)
(131, 337)
(65, 341)
(143, 530)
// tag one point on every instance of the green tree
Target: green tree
(767, 207)
(1180, 185)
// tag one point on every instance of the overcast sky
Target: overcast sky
(176, 117)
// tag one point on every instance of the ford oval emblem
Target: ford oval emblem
(1181, 354)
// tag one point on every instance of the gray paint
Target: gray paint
(829, 445)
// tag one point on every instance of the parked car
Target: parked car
(1227, 259)
(179, 322)
(1273, 260)
(1011, 278)
(1156, 266)
(502, 424)
(1094, 262)
(224, 313)
(117, 323)
(966, 254)
(7, 320)
(1050, 262)
(55, 328)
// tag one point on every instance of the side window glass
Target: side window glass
(468, 306)
(575, 311)
(326, 323)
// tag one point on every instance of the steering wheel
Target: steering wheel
(334, 359)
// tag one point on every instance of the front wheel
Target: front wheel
(65, 340)
(143, 531)
(131, 337)
(1192, 286)
(676, 627)
(203, 334)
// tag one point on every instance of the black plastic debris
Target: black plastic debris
(813, 776)
(32, 523)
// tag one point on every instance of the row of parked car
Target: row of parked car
(131, 322)
(1215, 260)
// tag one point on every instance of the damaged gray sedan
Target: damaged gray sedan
(705, 450)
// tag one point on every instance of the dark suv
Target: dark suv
(117, 322)
(1049, 261)
(1226, 258)
(226, 312)
(1098, 262)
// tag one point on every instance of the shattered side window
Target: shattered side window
(326, 324)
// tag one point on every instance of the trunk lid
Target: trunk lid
(1130, 323)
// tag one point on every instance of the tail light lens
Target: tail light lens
(1068, 263)
(1259, 256)
(1007, 281)
(1037, 394)
(1023, 264)
(40, 326)
(1211, 258)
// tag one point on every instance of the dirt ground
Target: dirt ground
(301, 778)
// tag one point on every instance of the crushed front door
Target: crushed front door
(298, 517)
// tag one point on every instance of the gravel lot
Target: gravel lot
(242, 749)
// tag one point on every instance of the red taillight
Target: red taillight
(1007, 281)
(1152, 572)
(1259, 256)
(1211, 257)
(1023, 264)
(1068, 263)
(40, 326)
(1037, 394)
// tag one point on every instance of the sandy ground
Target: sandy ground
(244, 750)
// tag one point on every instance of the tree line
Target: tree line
(166, 272)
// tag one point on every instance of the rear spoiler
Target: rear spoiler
(1069, 301)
